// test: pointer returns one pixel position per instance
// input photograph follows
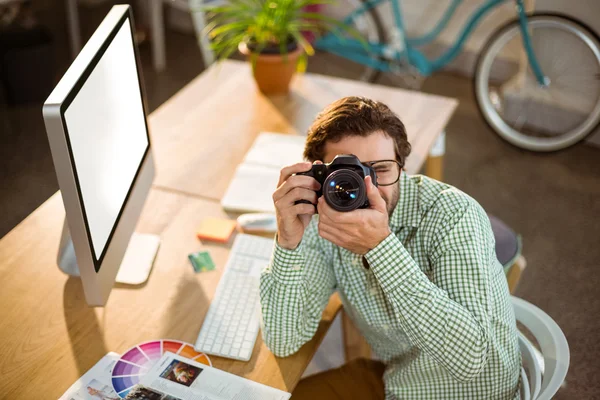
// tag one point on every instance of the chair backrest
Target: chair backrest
(553, 344)
(534, 380)
(199, 20)
(525, 391)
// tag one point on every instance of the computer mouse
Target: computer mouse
(258, 222)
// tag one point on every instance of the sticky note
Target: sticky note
(201, 261)
(216, 229)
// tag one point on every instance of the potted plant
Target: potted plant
(271, 33)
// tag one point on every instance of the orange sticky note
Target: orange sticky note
(216, 229)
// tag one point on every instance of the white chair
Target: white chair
(157, 27)
(158, 30)
(73, 24)
(530, 386)
(199, 18)
(545, 377)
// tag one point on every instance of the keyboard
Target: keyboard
(232, 322)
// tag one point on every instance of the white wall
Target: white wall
(422, 15)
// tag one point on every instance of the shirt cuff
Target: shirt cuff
(287, 265)
(391, 263)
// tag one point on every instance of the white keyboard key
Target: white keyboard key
(247, 345)
(245, 354)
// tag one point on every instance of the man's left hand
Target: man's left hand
(357, 231)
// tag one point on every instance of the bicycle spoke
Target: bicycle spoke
(520, 121)
(542, 117)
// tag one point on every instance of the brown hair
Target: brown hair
(355, 116)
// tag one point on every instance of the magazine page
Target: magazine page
(96, 383)
(181, 378)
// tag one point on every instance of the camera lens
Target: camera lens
(344, 190)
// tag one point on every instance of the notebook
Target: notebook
(256, 178)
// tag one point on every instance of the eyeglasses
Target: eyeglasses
(388, 171)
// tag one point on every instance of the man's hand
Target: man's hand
(357, 231)
(293, 218)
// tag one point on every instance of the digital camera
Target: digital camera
(342, 182)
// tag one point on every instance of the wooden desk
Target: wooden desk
(203, 132)
(50, 337)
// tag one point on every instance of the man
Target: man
(416, 272)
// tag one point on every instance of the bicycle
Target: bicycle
(536, 82)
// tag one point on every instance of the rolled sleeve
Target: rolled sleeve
(287, 265)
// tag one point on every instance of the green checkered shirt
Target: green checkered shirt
(434, 304)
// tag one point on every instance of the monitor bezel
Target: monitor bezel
(81, 80)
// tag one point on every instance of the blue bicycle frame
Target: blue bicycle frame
(382, 56)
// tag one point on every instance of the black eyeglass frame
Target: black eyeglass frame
(371, 163)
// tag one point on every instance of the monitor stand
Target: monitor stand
(135, 267)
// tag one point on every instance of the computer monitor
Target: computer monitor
(96, 124)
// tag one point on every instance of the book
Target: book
(177, 378)
(95, 382)
(171, 377)
(256, 178)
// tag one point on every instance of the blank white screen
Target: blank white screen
(106, 128)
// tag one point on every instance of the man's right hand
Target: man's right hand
(293, 218)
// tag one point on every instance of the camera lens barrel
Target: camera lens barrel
(344, 190)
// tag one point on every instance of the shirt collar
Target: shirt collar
(406, 213)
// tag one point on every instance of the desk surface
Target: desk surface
(202, 133)
(50, 336)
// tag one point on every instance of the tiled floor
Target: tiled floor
(551, 199)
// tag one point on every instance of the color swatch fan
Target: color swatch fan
(138, 360)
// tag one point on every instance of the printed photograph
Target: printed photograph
(144, 393)
(96, 390)
(181, 372)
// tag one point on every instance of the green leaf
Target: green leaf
(231, 27)
(308, 49)
(268, 23)
(302, 63)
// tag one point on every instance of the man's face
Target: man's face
(376, 146)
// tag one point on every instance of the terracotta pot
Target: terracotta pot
(273, 73)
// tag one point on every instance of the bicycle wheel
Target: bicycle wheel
(531, 116)
(370, 27)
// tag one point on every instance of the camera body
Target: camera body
(342, 182)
